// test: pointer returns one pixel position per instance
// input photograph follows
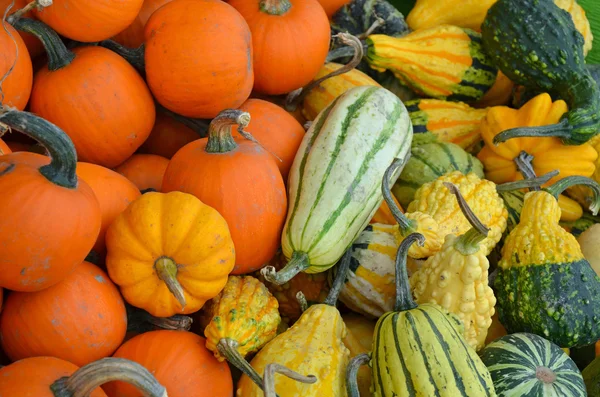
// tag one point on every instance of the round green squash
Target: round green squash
(527, 365)
(428, 162)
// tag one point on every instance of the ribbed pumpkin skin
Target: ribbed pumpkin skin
(421, 352)
(320, 97)
(133, 36)
(335, 182)
(514, 363)
(313, 345)
(16, 88)
(244, 311)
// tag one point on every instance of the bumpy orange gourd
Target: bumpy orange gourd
(16, 88)
(133, 36)
(146, 171)
(290, 39)
(169, 253)
(198, 57)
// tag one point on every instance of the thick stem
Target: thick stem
(404, 299)
(59, 55)
(344, 52)
(340, 279)
(228, 348)
(220, 139)
(275, 7)
(166, 270)
(302, 301)
(407, 226)
(523, 162)
(527, 183)
(269, 379)
(199, 126)
(298, 263)
(296, 97)
(39, 4)
(61, 170)
(565, 183)
(135, 56)
(139, 320)
(352, 374)
(90, 377)
(562, 129)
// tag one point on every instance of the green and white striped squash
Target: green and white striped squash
(527, 365)
(334, 185)
(430, 161)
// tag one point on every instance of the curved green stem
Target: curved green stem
(166, 270)
(340, 279)
(298, 263)
(404, 299)
(565, 183)
(275, 7)
(269, 379)
(139, 320)
(526, 183)
(59, 55)
(344, 52)
(88, 378)
(228, 348)
(302, 301)
(62, 167)
(562, 129)
(220, 139)
(352, 374)
(135, 56)
(407, 226)
(523, 162)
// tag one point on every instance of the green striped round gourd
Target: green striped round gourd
(334, 185)
(430, 161)
(527, 365)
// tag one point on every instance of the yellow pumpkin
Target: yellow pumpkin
(169, 253)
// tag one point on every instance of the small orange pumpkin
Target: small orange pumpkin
(133, 36)
(146, 171)
(332, 6)
(34, 46)
(168, 136)
(16, 88)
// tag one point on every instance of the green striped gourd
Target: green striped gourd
(430, 161)
(527, 365)
(419, 350)
(443, 62)
(334, 185)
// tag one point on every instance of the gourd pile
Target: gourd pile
(299, 198)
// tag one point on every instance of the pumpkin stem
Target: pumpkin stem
(299, 262)
(562, 129)
(526, 183)
(344, 52)
(407, 226)
(340, 279)
(295, 97)
(352, 374)
(61, 170)
(404, 299)
(220, 139)
(379, 21)
(139, 320)
(228, 348)
(275, 7)
(59, 55)
(302, 301)
(135, 56)
(166, 270)
(468, 243)
(269, 379)
(39, 4)
(565, 183)
(88, 378)
(523, 162)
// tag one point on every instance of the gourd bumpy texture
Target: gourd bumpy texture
(428, 227)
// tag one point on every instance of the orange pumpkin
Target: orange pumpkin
(290, 39)
(276, 130)
(331, 6)
(4, 149)
(94, 95)
(113, 191)
(58, 216)
(34, 46)
(133, 36)
(179, 361)
(16, 88)
(146, 171)
(88, 20)
(241, 181)
(80, 319)
(168, 136)
(198, 57)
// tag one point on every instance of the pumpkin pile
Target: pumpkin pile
(299, 198)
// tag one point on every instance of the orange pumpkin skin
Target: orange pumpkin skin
(198, 57)
(81, 319)
(289, 49)
(146, 171)
(17, 86)
(106, 121)
(88, 20)
(33, 376)
(34, 46)
(167, 137)
(179, 361)
(276, 130)
(4, 149)
(133, 36)
(113, 191)
(34, 257)
(331, 6)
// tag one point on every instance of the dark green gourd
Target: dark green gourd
(535, 44)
